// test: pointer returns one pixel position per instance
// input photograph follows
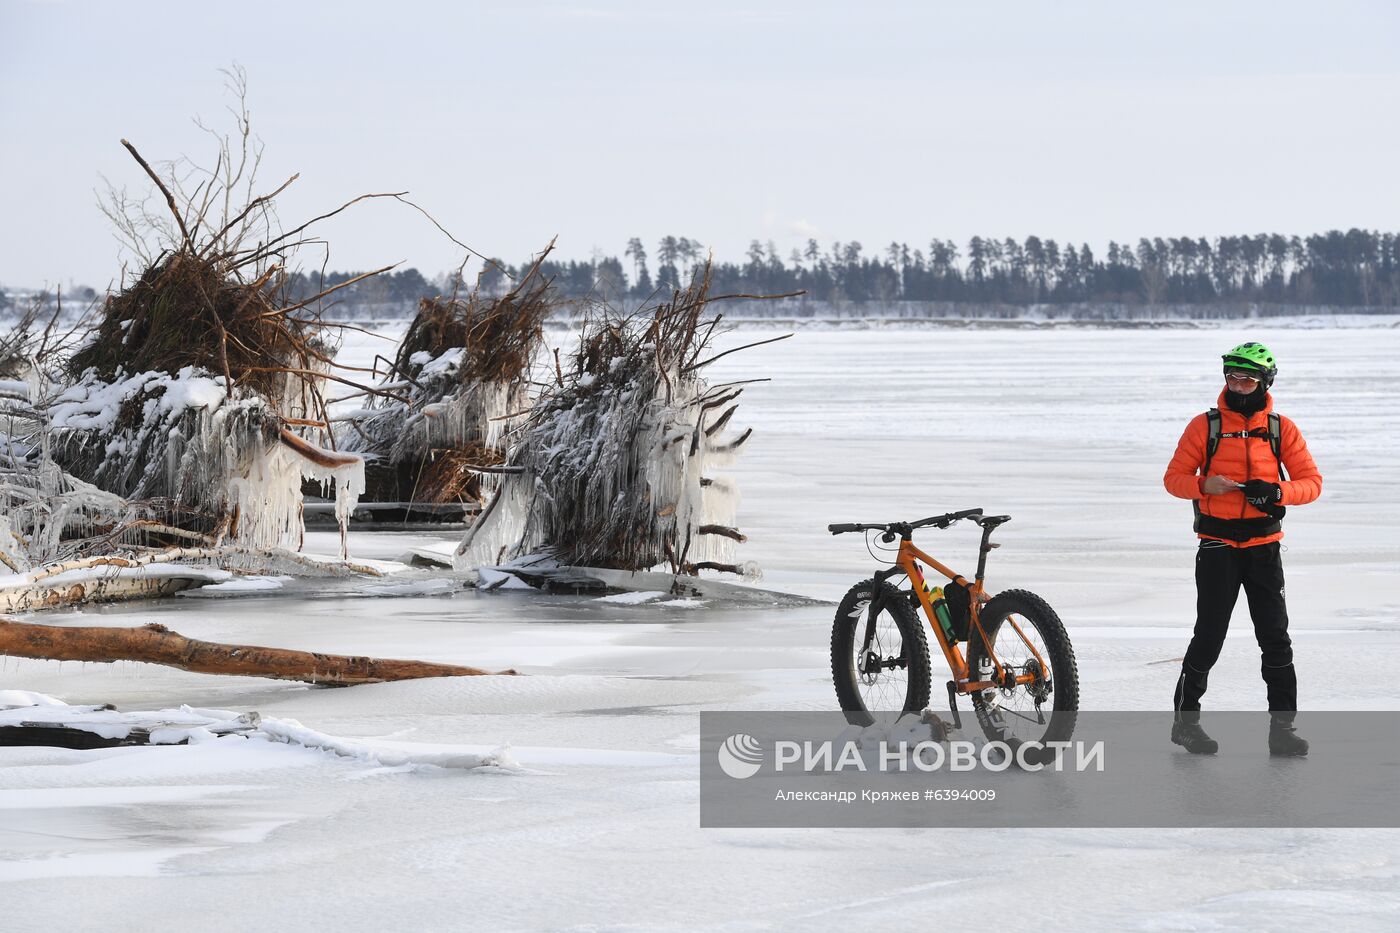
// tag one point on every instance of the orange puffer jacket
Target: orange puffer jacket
(1242, 459)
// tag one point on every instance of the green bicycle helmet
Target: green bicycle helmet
(1253, 357)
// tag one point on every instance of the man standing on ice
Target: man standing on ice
(1241, 464)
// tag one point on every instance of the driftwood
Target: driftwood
(155, 644)
(43, 595)
(125, 577)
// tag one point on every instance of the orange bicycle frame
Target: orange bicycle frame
(907, 561)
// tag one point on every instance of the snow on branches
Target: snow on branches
(613, 466)
(463, 370)
(202, 385)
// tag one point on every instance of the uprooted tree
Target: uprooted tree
(614, 465)
(463, 370)
(189, 416)
(203, 388)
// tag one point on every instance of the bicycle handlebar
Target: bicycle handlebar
(943, 521)
(938, 521)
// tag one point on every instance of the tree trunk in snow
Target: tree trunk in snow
(155, 644)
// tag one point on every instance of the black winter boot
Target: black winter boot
(1284, 741)
(1187, 732)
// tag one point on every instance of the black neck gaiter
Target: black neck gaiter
(1247, 404)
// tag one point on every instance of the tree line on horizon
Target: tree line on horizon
(1352, 268)
(1356, 268)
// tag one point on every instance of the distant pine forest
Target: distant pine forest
(1358, 268)
(1355, 269)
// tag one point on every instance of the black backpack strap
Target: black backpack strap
(1212, 444)
(1276, 443)
(1212, 438)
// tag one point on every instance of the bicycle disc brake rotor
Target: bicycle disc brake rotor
(870, 667)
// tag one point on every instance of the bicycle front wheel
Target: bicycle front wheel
(1042, 711)
(889, 671)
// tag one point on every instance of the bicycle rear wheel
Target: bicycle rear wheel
(892, 673)
(1042, 711)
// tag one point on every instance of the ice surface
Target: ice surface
(253, 583)
(28, 698)
(600, 826)
(633, 599)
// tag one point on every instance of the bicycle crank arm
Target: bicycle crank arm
(953, 704)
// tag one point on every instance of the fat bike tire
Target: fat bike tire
(902, 681)
(1013, 716)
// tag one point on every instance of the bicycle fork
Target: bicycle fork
(868, 656)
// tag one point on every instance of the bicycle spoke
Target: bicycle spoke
(885, 687)
(890, 672)
(1019, 647)
(1004, 709)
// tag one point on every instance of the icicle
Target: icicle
(195, 445)
(348, 481)
(613, 473)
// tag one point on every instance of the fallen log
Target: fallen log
(123, 585)
(156, 644)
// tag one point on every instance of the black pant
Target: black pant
(1220, 572)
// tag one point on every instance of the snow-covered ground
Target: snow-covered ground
(590, 819)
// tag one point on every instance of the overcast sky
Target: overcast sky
(722, 122)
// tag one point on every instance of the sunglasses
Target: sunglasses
(1242, 377)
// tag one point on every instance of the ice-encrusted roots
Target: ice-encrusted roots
(462, 371)
(45, 514)
(617, 464)
(217, 460)
(464, 424)
(615, 480)
(267, 497)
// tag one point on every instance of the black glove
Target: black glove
(1260, 494)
